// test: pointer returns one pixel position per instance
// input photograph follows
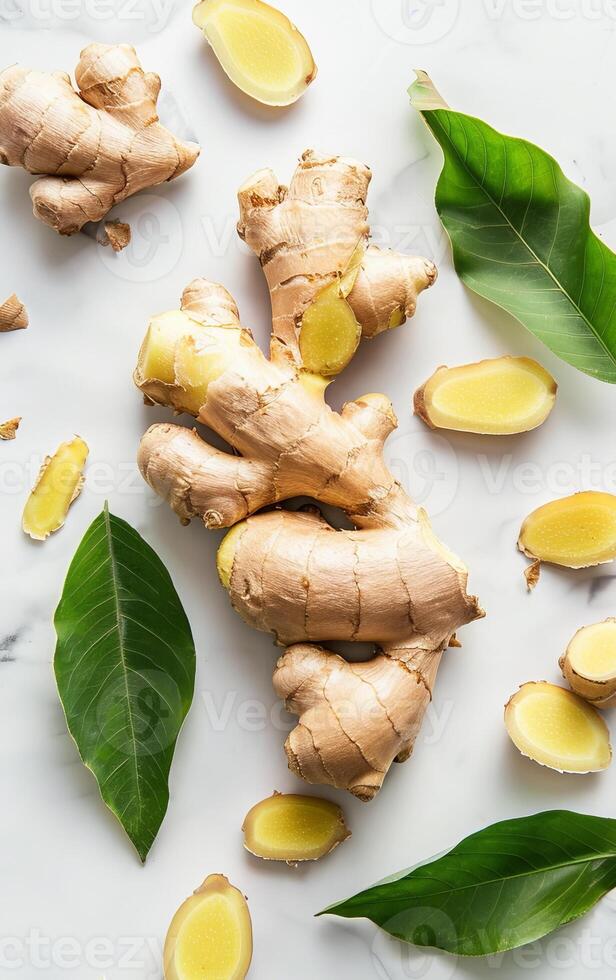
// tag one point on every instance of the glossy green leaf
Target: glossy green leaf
(504, 886)
(125, 669)
(521, 237)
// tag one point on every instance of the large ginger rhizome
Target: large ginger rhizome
(396, 585)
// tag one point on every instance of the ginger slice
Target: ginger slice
(292, 828)
(589, 663)
(576, 531)
(500, 396)
(13, 315)
(258, 47)
(8, 430)
(556, 728)
(210, 935)
(58, 484)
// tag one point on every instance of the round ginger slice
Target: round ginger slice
(500, 396)
(576, 531)
(259, 49)
(210, 936)
(289, 827)
(589, 663)
(556, 728)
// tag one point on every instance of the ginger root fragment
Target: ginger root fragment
(13, 313)
(500, 396)
(8, 430)
(589, 663)
(94, 145)
(210, 936)
(58, 484)
(532, 574)
(576, 531)
(558, 729)
(292, 828)
(117, 234)
(259, 49)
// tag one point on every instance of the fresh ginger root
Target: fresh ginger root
(8, 430)
(292, 828)
(13, 313)
(58, 484)
(259, 49)
(95, 146)
(210, 936)
(501, 396)
(389, 581)
(576, 531)
(589, 663)
(556, 728)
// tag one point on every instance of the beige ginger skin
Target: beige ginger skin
(389, 581)
(93, 147)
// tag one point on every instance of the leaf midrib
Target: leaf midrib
(611, 357)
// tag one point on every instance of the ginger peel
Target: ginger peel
(589, 663)
(292, 828)
(8, 430)
(13, 314)
(576, 531)
(397, 586)
(58, 484)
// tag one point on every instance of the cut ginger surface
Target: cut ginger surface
(589, 664)
(58, 484)
(556, 728)
(501, 396)
(258, 47)
(289, 827)
(210, 936)
(575, 531)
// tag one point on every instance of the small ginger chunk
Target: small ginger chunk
(210, 936)
(556, 728)
(8, 430)
(589, 663)
(58, 484)
(13, 315)
(500, 396)
(258, 47)
(576, 531)
(291, 828)
(117, 234)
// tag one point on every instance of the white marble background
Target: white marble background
(74, 901)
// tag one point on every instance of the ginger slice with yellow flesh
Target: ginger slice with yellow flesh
(576, 531)
(500, 396)
(589, 663)
(258, 47)
(558, 729)
(58, 484)
(13, 315)
(210, 936)
(8, 430)
(288, 827)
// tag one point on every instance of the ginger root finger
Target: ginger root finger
(500, 396)
(210, 935)
(576, 531)
(288, 827)
(259, 49)
(589, 663)
(13, 313)
(97, 145)
(58, 484)
(558, 729)
(8, 430)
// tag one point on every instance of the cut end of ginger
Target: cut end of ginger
(501, 396)
(589, 663)
(292, 828)
(210, 935)
(259, 48)
(558, 729)
(576, 531)
(58, 484)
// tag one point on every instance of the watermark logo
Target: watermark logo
(156, 244)
(95, 17)
(415, 21)
(427, 467)
(140, 709)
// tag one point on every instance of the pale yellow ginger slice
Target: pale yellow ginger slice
(556, 728)
(288, 827)
(8, 430)
(259, 48)
(58, 484)
(13, 315)
(500, 396)
(589, 663)
(576, 531)
(210, 936)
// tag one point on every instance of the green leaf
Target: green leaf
(520, 235)
(504, 886)
(125, 669)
